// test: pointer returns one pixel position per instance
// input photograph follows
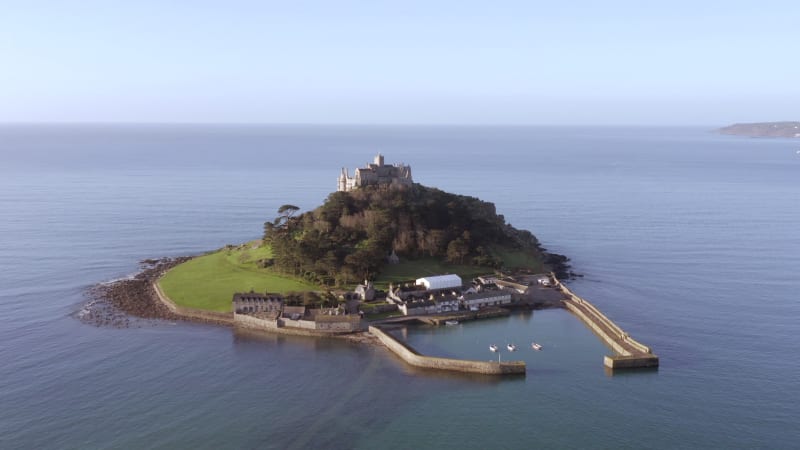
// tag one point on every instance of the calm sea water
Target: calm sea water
(688, 240)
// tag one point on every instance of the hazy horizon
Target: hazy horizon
(415, 63)
(366, 124)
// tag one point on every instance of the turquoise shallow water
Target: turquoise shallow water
(688, 240)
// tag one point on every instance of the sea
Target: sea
(687, 239)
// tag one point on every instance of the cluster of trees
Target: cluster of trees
(349, 237)
(311, 299)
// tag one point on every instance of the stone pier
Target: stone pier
(630, 353)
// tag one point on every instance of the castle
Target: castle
(375, 174)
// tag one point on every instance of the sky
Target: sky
(407, 62)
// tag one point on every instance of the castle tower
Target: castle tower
(379, 160)
(342, 186)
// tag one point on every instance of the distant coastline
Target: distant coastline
(764, 129)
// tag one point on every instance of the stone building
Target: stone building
(376, 173)
(294, 312)
(254, 302)
(486, 298)
(417, 307)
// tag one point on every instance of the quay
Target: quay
(414, 358)
(630, 353)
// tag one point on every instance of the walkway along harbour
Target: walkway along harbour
(631, 353)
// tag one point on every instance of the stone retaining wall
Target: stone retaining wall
(410, 356)
(254, 323)
(294, 327)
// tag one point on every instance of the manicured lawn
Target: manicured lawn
(209, 281)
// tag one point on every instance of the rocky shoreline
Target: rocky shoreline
(122, 302)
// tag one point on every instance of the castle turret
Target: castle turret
(342, 186)
(379, 160)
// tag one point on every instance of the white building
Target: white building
(437, 282)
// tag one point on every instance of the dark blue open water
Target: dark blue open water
(689, 240)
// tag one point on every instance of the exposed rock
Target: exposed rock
(120, 303)
(559, 264)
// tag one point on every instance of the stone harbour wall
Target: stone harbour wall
(611, 342)
(630, 353)
(410, 356)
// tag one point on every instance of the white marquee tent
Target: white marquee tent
(440, 282)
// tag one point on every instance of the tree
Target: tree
(288, 210)
(285, 212)
(457, 250)
(434, 242)
(348, 237)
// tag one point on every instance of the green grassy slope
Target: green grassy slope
(209, 281)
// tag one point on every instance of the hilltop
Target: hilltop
(764, 129)
(356, 235)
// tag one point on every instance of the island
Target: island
(381, 250)
(764, 129)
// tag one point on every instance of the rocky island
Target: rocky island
(379, 251)
(764, 129)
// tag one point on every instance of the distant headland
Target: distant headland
(764, 129)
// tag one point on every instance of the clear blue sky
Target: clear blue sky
(427, 62)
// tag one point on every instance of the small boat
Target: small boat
(493, 348)
(451, 322)
(511, 347)
(536, 346)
